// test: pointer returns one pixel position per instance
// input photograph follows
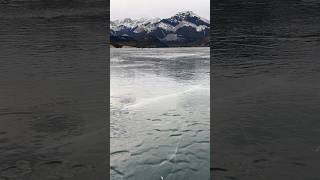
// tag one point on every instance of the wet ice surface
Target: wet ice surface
(266, 90)
(52, 79)
(160, 114)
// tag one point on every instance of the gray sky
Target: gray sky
(135, 9)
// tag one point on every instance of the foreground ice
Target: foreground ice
(160, 114)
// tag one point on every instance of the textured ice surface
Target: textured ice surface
(160, 114)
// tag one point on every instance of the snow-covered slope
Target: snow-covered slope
(182, 27)
(128, 23)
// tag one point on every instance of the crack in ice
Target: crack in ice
(144, 102)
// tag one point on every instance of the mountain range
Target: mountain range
(184, 29)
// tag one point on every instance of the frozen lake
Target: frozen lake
(160, 114)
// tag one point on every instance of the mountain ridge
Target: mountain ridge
(184, 29)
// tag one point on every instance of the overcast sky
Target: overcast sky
(135, 9)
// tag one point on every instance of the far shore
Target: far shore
(112, 46)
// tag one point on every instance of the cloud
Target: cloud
(156, 8)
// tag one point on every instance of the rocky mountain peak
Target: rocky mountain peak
(183, 27)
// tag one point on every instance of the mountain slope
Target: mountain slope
(182, 29)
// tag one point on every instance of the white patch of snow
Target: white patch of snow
(139, 25)
(192, 14)
(166, 26)
(202, 28)
(184, 24)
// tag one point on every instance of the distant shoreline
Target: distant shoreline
(125, 46)
(112, 46)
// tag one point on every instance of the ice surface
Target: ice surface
(160, 114)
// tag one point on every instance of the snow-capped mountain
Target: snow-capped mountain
(183, 29)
